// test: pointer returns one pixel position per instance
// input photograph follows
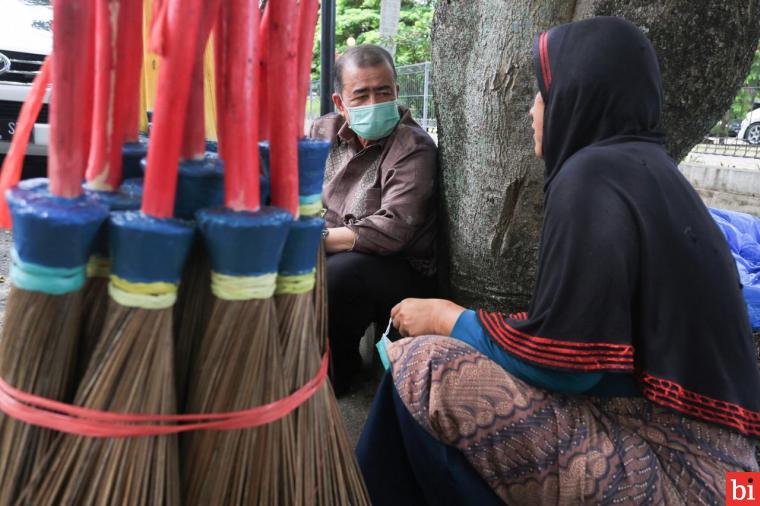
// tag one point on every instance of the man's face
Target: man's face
(365, 86)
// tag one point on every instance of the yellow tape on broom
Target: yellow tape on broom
(293, 285)
(98, 267)
(310, 209)
(243, 287)
(157, 295)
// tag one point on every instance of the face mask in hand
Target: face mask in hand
(374, 121)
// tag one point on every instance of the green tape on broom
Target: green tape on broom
(293, 285)
(39, 278)
(228, 287)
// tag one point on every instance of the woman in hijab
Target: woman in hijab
(633, 376)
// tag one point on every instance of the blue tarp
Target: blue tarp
(742, 232)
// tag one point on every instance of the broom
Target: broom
(200, 185)
(130, 63)
(239, 361)
(310, 184)
(118, 53)
(55, 226)
(327, 470)
(327, 467)
(132, 367)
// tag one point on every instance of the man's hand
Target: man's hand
(340, 239)
(417, 317)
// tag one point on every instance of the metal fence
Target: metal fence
(738, 132)
(414, 92)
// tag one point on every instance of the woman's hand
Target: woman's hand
(417, 317)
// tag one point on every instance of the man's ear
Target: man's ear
(338, 101)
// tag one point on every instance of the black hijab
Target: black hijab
(634, 276)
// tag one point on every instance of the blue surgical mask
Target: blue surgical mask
(374, 121)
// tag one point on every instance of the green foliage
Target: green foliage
(360, 19)
(743, 101)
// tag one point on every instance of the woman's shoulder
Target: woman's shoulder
(600, 166)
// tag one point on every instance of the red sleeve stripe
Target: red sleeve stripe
(746, 428)
(561, 358)
(674, 396)
(571, 354)
(498, 321)
(543, 50)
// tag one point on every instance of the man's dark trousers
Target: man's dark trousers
(363, 289)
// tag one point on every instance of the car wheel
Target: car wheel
(752, 135)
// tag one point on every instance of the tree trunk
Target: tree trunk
(492, 185)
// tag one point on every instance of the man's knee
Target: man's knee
(343, 275)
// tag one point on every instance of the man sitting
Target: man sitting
(379, 199)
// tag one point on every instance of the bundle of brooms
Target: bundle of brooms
(132, 367)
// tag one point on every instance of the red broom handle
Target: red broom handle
(253, 183)
(71, 40)
(178, 39)
(282, 91)
(14, 159)
(130, 64)
(308, 11)
(262, 89)
(88, 71)
(241, 162)
(194, 131)
(102, 117)
(194, 135)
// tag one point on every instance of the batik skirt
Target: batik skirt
(449, 426)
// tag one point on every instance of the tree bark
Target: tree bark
(491, 183)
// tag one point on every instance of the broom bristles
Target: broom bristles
(320, 297)
(37, 355)
(192, 312)
(131, 371)
(94, 309)
(239, 366)
(327, 469)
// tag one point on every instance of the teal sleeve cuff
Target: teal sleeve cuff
(468, 330)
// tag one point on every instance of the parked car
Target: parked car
(733, 128)
(25, 40)
(750, 128)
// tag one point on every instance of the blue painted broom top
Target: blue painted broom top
(312, 155)
(300, 254)
(132, 186)
(200, 184)
(243, 243)
(53, 231)
(115, 201)
(145, 249)
(132, 154)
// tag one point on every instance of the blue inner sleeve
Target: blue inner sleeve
(469, 330)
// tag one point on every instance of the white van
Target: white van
(25, 39)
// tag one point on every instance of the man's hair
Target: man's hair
(363, 56)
